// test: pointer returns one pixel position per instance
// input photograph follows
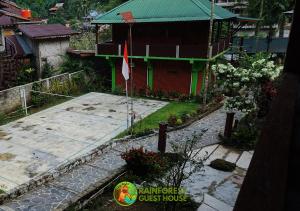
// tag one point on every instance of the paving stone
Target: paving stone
(109, 161)
(219, 153)
(227, 191)
(82, 178)
(244, 160)
(205, 207)
(233, 156)
(216, 204)
(44, 198)
(205, 152)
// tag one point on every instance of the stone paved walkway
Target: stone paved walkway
(66, 189)
(218, 190)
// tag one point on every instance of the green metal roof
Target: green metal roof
(145, 11)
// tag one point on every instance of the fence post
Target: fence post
(47, 83)
(162, 137)
(70, 77)
(24, 100)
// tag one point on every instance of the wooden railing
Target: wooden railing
(164, 50)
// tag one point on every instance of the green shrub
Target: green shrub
(26, 75)
(172, 120)
(143, 163)
(185, 117)
(246, 134)
(160, 94)
(2, 191)
(47, 70)
(183, 98)
(179, 121)
(118, 91)
(222, 165)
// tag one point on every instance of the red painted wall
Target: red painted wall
(169, 76)
(139, 75)
(172, 76)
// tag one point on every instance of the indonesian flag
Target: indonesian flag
(125, 67)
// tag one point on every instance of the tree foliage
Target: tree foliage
(271, 11)
(73, 9)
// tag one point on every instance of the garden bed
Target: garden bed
(150, 125)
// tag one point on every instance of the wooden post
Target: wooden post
(229, 124)
(162, 138)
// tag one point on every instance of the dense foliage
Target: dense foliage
(73, 9)
(244, 84)
(271, 12)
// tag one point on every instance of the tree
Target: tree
(270, 11)
(243, 85)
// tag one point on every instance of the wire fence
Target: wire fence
(16, 102)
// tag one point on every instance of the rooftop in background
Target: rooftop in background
(165, 11)
(10, 9)
(6, 21)
(48, 31)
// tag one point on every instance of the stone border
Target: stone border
(95, 190)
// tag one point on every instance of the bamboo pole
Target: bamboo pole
(209, 51)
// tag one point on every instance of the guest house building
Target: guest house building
(170, 42)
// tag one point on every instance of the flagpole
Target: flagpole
(131, 78)
(127, 105)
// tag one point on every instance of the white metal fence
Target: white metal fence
(19, 96)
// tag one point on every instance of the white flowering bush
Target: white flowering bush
(241, 84)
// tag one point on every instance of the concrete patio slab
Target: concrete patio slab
(44, 141)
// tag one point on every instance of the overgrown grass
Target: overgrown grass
(152, 121)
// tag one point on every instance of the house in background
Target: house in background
(170, 42)
(58, 6)
(48, 43)
(11, 53)
(235, 6)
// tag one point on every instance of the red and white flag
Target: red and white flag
(125, 67)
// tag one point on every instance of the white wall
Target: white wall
(52, 51)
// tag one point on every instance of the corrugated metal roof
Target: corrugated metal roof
(24, 45)
(45, 31)
(6, 21)
(22, 49)
(165, 11)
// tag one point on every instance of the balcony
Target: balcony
(166, 51)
